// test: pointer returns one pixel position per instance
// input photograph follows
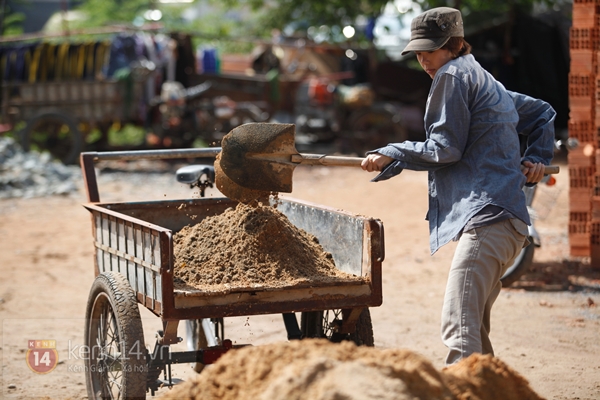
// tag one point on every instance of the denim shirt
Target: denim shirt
(472, 150)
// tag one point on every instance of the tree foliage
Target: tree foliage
(495, 6)
(257, 18)
(106, 12)
(12, 22)
(279, 13)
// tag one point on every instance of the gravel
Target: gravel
(31, 174)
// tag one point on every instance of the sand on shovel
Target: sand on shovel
(236, 192)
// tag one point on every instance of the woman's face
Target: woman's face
(432, 61)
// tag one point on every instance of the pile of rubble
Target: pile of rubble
(31, 174)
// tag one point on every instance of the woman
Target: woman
(476, 173)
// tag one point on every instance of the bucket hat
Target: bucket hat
(431, 30)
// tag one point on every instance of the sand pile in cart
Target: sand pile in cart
(251, 246)
(319, 370)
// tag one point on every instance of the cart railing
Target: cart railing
(135, 249)
(88, 160)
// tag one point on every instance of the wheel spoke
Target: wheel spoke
(331, 320)
(115, 385)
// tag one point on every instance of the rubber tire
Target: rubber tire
(520, 266)
(111, 296)
(67, 150)
(314, 325)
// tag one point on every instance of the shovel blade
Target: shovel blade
(235, 191)
(260, 173)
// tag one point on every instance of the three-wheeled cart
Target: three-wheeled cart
(134, 261)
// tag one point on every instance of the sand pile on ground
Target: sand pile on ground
(250, 247)
(320, 370)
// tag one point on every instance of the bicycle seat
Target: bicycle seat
(191, 174)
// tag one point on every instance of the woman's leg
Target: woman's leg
(481, 257)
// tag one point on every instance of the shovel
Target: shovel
(262, 156)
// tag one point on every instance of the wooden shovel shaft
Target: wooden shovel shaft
(339, 161)
(551, 169)
(322, 159)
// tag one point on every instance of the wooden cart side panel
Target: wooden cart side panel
(134, 251)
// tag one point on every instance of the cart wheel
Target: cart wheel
(374, 128)
(116, 365)
(323, 324)
(53, 132)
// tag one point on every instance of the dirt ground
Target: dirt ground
(547, 329)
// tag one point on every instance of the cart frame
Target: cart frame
(135, 239)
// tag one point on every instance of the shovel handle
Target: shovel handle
(551, 169)
(548, 169)
(322, 159)
(340, 161)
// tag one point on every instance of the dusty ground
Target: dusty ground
(548, 331)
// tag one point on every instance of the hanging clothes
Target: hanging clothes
(186, 59)
(124, 49)
(16, 61)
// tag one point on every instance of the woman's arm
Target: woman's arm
(536, 125)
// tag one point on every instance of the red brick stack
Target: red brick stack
(584, 125)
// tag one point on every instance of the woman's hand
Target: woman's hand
(533, 171)
(375, 162)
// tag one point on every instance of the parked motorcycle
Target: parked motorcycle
(525, 258)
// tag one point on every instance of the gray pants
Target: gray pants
(481, 258)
